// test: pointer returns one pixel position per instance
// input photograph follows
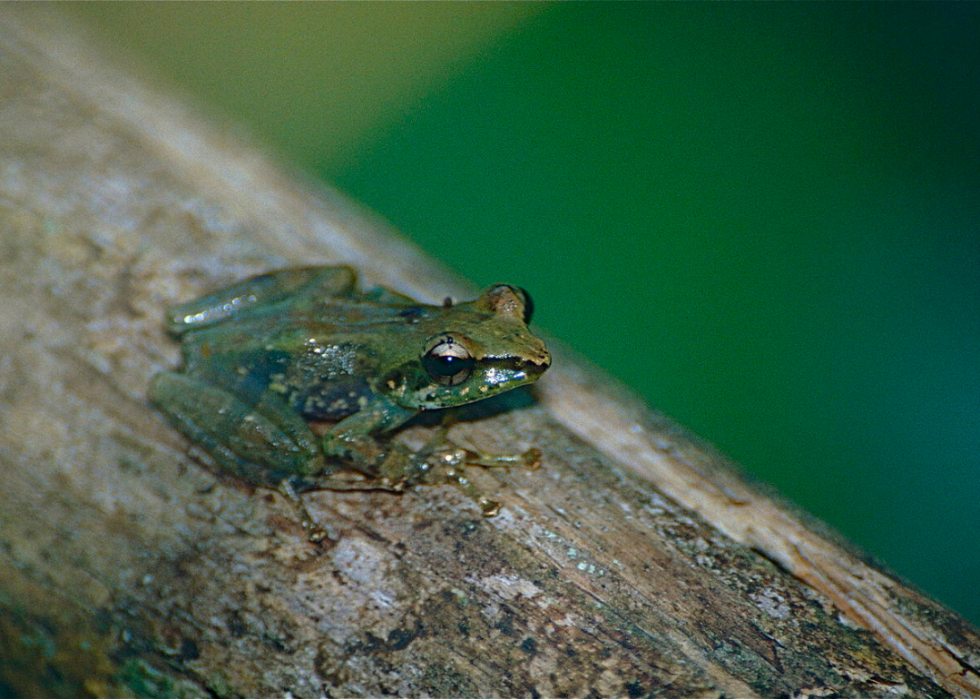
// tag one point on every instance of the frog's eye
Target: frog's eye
(447, 361)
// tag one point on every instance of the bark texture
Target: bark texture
(636, 562)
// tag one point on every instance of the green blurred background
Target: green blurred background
(763, 218)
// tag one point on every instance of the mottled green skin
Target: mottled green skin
(264, 357)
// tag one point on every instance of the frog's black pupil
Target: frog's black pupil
(444, 367)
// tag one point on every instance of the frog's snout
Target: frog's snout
(544, 361)
(538, 364)
(536, 357)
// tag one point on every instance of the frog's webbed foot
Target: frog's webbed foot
(314, 531)
(439, 462)
(446, 462)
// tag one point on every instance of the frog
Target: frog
(268, 359)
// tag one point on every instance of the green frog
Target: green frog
(270, 357)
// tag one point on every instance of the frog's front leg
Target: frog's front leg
(258, 293)
(394, 467)
(385, 466)
(448, 461)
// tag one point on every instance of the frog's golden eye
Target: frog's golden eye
(447, 361)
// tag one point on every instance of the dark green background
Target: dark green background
(763, 218)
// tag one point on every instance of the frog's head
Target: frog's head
(475, 350)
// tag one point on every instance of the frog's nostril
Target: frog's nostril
(539, 363)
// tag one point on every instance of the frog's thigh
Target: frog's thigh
(259, 447)
(258, 292)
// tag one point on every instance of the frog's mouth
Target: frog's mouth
(497, 375)
(534, 356)
(526, 369)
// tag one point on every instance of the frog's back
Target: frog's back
(305, 336)
(258, 294)
(319, 370)
(312, 355)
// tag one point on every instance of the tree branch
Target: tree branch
(636, 561)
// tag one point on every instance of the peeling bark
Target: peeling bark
(637, 561)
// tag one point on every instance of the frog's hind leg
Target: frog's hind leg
(272, 444)
(260, 292)
(263, 446)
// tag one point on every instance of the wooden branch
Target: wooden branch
(637, 561)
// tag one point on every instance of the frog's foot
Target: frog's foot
(454, 471)
(446, 462)
(314, 532)
(440, 461)
(530, 459)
